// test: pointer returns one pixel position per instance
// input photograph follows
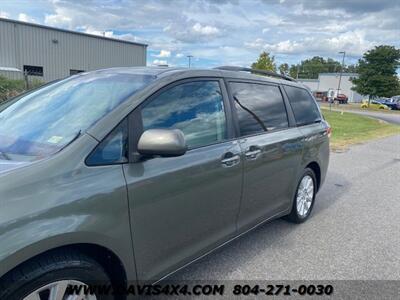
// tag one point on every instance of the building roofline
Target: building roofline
(72, 32)
(338, 74)
(307, 80)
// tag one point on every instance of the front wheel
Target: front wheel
(55, 275)
(303, 201)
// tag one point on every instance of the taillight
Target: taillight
(329, 132)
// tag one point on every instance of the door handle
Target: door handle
(253, 153)
(230, 161)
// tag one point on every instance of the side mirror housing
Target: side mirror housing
(162, 142)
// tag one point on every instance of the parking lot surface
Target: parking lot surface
(353, 232)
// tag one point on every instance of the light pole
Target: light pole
(341, 71)
(189, 60)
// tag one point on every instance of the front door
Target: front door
(271, 151)
(182, 206)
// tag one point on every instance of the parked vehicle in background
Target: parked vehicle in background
(129, 174)
(341, 98)
(396, 99)
(373, 104)
(381, 100)
(322, 96)
(393, 103)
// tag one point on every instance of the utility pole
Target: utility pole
(341, 71)
(189, 60)
(298, 71)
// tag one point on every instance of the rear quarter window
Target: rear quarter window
(303, 105)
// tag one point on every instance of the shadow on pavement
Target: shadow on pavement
(276, 235)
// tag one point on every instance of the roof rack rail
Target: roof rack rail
(255, 71)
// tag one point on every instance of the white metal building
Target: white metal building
(312, 84)
(330, 81)
(48, 53)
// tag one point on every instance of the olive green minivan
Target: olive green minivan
(129, 174)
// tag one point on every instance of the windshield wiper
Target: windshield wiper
(72, 140)
(261, 123)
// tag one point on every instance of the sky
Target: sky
(225, 32)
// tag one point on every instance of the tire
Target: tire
(295, 215)
(50, 268)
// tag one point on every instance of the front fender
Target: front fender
(61, 201)
(14, 252)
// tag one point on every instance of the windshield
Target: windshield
(41, 123)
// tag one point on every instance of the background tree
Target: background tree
(284, 68)
(265, 62)
(351, 69)
(312, 67)
(293, 71)
(377, 72)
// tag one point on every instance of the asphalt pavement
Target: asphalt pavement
(352, 234)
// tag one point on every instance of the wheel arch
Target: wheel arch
(314, 166)
(116, 260)
(108, 259)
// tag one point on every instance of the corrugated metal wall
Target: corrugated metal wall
(331, 81)
(58, 51)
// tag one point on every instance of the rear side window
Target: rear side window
(195, 107)
(259, 107)
(304, 107)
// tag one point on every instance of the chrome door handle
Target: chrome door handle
(230, 161)
(251, 155)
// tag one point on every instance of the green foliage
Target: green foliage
(284, 68)
(351, 69)
(35, 83)
(10, 88)
(293, 71)
(348, 128)
(265, 62)
(377, 72)
(312, 67)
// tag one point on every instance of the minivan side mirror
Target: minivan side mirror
(162, 142)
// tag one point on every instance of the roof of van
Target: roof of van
(160, 72)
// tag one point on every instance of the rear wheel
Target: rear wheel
(54, 276)
(303, 201)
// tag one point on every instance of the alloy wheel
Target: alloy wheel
(305, 196)
(59, 291)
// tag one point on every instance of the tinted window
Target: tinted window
(304, 107)
(42, 122)
(259, 107)
(113, 149)
(196, 108)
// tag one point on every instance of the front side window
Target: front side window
(304, 107)
(195, 107)
(43, 122)
(259, 107)
(113, 149)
